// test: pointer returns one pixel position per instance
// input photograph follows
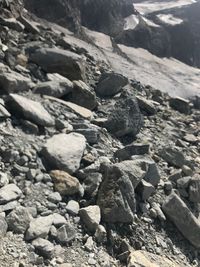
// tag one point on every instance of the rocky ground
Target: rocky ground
(96, 169)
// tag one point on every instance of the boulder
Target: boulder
(174, 156)
(91, 217)
(30, 110)
(116, 196)
(64, 151)
(30, 26)
(43, 247)
(148, 107)
(180, 104)
(126, 152)
(8, 193)
(125, 117)
(110, 84)
(12, 23)
(63, 62)
(182, 217)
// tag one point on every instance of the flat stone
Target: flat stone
(30, 26)
(8, 193)
(130, 150)
(148, 107)
(55, 197)
(182, 217)
(12, 23)
(180, 104)
(174, 156)
(30, 109)
(91, 217)
(43, 247)
(64, 151)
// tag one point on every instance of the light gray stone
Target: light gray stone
(73, 207)
(91, 217)
(3, 227)
(44, 247)
(9, 192)
(66, 233)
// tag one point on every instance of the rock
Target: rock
(54, 88)
(18, 220)
(110, 84)
(39, 227)
(4, 113)
(8, 193)
(30, 26)
(30, 109)
(3, 227)
(65, 265)
(64, 183)
(191, 138)
(125, 117)
(66, 233)
(182, 217)
(194, 189)
(173, 156)
(116, 196)
(12, 23)
(55, 60)
(83, 96)
(13, 82)
(90, 131)
(130, 150)
(91, 184)
(9, 206)
(145, 189)
(180, 104)
(64, 151)
(43, 247)
(91, 217)
(100, 234)
(4, 180)
(58, 220)
(89, 245)
(73, 207)
(149, 107)
(55, 197)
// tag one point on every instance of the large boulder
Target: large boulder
(182, 217)
(63, 62)
(116, 196)
(64, 151)
(30, 110)
(125, 117)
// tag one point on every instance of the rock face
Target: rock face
(64, 151)
(116, 196)
(182, 217)
(30, 109)
(63, 62)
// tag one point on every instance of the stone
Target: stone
(4, 179)
(63, 62)
(54, 197)
(125, 117)
(64, 151)
(89, 245)
(18, 220)
(39, 227)
(116, 196)
(110, 84)
(13, 82)
(65, 265)
(191, 138)
(12, 23)
(30, 26)
(3, 227)
(30, 110)
(58, 220)
(90, 131)
(4, 112)
(194, 190)
(73, 207)
(100, 234)
(9, 192)
(9, 206)
(173, 156)
(180, 104)
(66, 233)
(130, 150)
(145, 189)
(148, 107)
(64, 183)
(54, 88)
(83, 96)
(43, 247)
(91, 184)
(91, 217)
(182, 217)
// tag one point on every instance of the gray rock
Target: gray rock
(9, 206)
(91, 183)
(116, 196)
(58, 220)
(173, 155)
(64, 151)
(4, 180)
(12, 23)
(73, 207)
(3, 112)
(30, 26)
(180, 104)
(125, 117)
(30, 109)
(83, 96)
(183, 218)
(63, 62)
(110, 84)
(43, 247)
(90, 131)
(145, 189)
(18, 220)
(130, 150)
(54, 88)
(3, 227)
(55, 197)
(9, 192)
(66, 233)
(91, 217)
(194, 190)
(100, 234)
(149, 107)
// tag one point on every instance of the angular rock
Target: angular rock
(91, 217)
(116, 196)
(149, 107)
(58, 220)
(91, 184)
(180, 104)
(30, 26)
(54, 197)
(64, 151)
(173, 156)
(90, 131)
(125, 117)
(145, 189)
(83, 96)
(194, 190)
(18, 220)
(43, 247)
(110, 84)
(8, 193)
(182, 217)
(64, 183)
(73, 207)
(30, 109)
(130, 150)
(12, 23)
(3, 227)
(3, 112)
(55, 60)
(66, 233)
(4, 179)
